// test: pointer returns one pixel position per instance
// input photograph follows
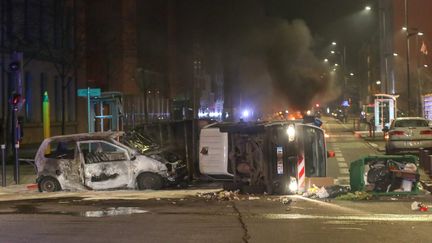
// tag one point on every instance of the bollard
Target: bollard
(3, 148)
(17, 165)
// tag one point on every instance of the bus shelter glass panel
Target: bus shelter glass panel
(384, 113)
(106, 113)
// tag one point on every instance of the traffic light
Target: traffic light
(16, 99)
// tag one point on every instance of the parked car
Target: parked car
(95, 161)
(408, 134)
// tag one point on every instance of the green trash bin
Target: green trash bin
(357, 172)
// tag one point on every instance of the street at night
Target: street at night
(215, 121)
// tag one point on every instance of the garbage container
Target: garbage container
(390, 175)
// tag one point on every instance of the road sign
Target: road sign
(89, 92)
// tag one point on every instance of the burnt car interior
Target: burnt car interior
(100, 151)
(61, 150)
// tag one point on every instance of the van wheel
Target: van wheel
(152, 181)
(49, 184)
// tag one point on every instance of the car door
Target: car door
(105, 165)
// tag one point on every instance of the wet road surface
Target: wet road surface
(192, 219)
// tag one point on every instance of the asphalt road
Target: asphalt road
(192, 219)
(347, 148)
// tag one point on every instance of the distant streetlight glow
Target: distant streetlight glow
(325, 60)
(368, 8)
(420, 33)
(395, 54)
(404, 28)
(333, 43)
(378, 82)
(425, 65)
(352, 74)
(332, 52)
(336, 64)
(334, 69)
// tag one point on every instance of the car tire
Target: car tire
(149, 181)
(49, 184)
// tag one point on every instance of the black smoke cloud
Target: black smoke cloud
(296, 73)
(297, 77)
(270, 59)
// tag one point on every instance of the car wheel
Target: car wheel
(49, 184)
(150, 181)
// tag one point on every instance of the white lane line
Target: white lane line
(343, 171)
(373, 217)
(344, 165)
(340, 159)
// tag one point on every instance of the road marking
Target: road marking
(340, 159)
(344, 165)
(373, 217)
(343, 171)
(343, 178)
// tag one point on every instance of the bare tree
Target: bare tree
(66, 51)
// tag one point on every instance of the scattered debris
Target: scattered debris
(220, 196)
(322, 193)
(355, 196)
(387, 175)
(253, 198)
(418, 206)
(326, 192)
(286, 200)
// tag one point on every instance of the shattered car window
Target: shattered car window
(61, 150)
(100, 151)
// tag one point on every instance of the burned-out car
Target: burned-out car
(95, 161)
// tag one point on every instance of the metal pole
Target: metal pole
(88, 109)
(17, 164)
(408, 60)
(386, 90)
(15, 143)
(419, 88)
(3, 148)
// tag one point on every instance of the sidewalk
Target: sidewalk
(376, 142)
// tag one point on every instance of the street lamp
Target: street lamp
(368, 8)
(410, 32)
(333, 43)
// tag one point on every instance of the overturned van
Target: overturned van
(95, 161)
(274, 157)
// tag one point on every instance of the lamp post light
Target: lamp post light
(410, 32)
(386, 87)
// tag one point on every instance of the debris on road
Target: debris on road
(418, 206)
(355, 196)
(326, 191)
(220, 196)
(286, 200)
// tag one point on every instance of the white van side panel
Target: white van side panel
(213, 152)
